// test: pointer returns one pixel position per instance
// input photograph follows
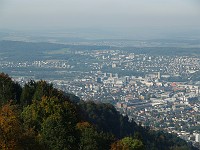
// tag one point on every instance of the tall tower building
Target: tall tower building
(197, 138)
(110, 75)
(158, 75)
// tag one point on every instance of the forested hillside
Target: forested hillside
(38, 116)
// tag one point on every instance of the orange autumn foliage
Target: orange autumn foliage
(10, 128)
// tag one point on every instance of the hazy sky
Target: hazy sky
(129, 16)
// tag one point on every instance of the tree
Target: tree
(55, 122)
(28, 92)
(10, 128)
(106, 118)
(91, 139)
(9, 90)
(12, 133)
(56, 135)
(128, 143)
(43, 89)
(88, 139)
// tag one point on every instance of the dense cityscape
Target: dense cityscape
(158, 91)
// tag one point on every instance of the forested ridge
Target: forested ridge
(38, 116)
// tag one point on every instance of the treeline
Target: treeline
(38, 116)
(19, 50)
(163, 51)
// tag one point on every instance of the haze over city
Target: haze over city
(123, 18)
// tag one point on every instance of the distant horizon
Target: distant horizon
(98, 34)
(118, 19)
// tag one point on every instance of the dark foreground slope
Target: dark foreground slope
(38, 116)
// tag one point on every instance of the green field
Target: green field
(57, 52)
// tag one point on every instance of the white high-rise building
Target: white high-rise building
(158, 75)
(197, 138)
